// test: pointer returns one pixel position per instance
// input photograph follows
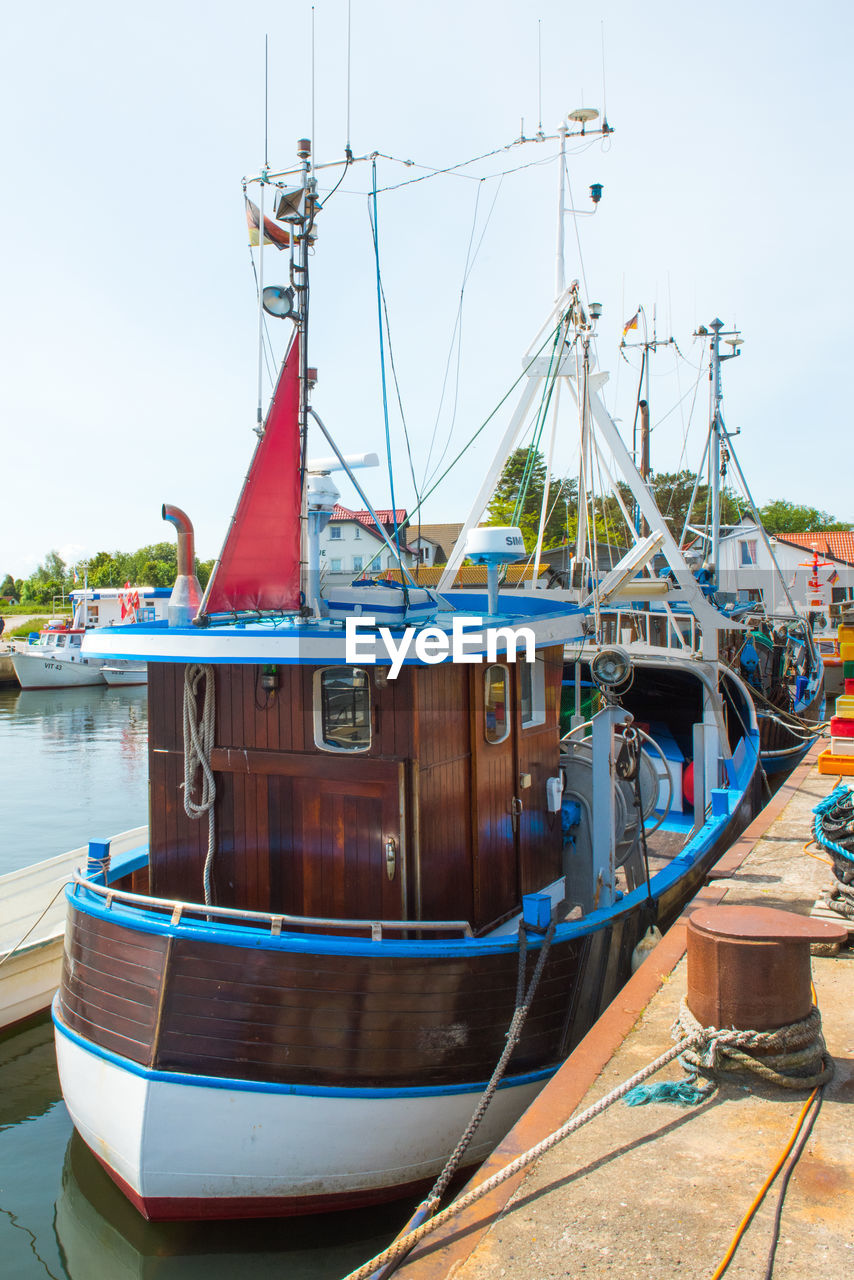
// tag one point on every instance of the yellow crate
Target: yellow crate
(840, 766)
(845, 635)
(845, 706)
(846, 650)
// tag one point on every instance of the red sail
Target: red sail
(259, 567)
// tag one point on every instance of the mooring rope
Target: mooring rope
(715, 1050)
(793, 1057)
(398, 1248)
(834, 817)
(198, 744)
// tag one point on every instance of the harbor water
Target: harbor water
(73, 765)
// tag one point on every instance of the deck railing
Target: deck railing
(664, 630)
(274, 921)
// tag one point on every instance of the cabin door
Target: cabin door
(348, 843)
(515, 751)
(495, 802)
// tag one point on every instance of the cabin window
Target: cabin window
(335, 532)
(532, 692)
(342, 709)
(496, 690)
(60, 642)
(74, 641)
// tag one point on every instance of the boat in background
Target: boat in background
(32, 925)
(54, 657)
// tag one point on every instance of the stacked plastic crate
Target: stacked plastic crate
(839, 757)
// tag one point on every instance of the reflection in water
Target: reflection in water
(99, 1233)
(74, 767)
(61, 1216)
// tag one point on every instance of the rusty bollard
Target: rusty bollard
(749, 967)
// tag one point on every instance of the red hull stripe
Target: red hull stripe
(195, 1209)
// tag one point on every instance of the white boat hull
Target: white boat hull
(124, 675)
(217, 1148)
(42, 671)
(32, 928)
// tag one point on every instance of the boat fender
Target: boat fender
(688, 783)
(647, 944)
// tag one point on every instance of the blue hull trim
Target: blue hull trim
(261, 1086)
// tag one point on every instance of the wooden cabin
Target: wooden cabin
(344, 794)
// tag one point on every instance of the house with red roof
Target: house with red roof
(812, 566)
(351, 544)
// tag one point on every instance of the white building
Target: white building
(351, 545)
(747, 571)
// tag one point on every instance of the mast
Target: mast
(300, 282)
(718, 440)
(560, 268)
(715, 451)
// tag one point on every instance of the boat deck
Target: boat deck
(659, 1190)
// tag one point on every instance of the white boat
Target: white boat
(54, 659)
(32, 925)
(125, 673)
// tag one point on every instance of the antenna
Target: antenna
(348, 151)
(540, 74)
(313, 138)
(604, 96)
(266, 98)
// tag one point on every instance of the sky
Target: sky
(128, 332)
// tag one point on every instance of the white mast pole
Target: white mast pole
(715, 457)
(259, 413)
(560, 269)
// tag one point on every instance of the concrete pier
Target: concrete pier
(658, 1190)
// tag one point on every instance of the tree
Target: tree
(7, 586)
(526, 471)
(782, 516)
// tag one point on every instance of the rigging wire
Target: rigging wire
(452, 170)
(375, 229)
(268, 358)
(456, 336)
(508, 393)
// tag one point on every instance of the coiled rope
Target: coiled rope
(198, 744)
(834, 817)
(715, 1051)
(793, 1057)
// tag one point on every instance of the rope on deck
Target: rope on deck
(802, 1063)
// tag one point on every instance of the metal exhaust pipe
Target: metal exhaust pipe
(186, 594)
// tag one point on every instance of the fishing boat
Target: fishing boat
(367, 840)
(54, 657)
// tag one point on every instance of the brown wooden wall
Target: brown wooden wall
(181, 1004)
(305, 832)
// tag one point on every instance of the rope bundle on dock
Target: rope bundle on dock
(833, 829)
(793, 1057)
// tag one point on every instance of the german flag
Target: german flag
(272, 234)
